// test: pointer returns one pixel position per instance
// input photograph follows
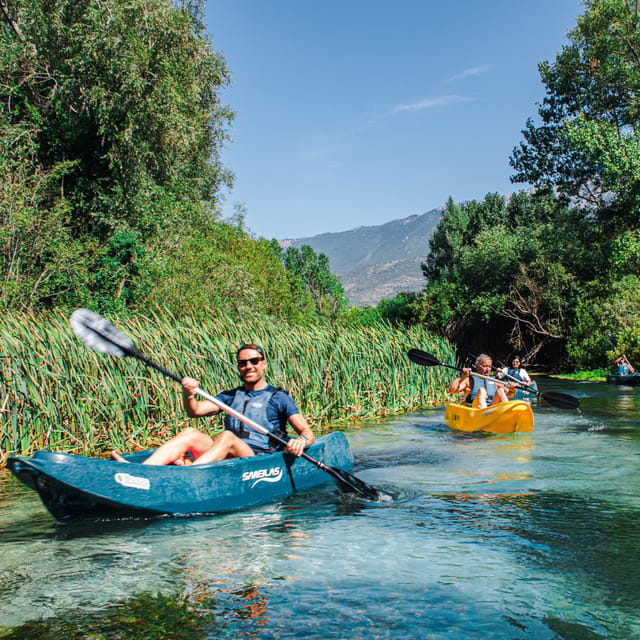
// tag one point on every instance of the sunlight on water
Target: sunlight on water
(528, 536)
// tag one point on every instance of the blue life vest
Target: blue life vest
(489, 385)
(623, 369)
(515, 373)
(254, 407)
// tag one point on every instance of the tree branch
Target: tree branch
(12, 23)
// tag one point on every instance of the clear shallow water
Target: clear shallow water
(528, 536)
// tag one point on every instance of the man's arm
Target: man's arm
(196, 408)
(305, 436)
(460, 384)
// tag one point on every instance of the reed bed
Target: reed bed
(56, 393)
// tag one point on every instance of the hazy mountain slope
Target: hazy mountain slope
(379, 261)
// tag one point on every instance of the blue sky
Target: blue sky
(358, 112)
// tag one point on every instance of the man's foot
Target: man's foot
(116, 456)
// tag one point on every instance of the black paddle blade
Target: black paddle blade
(348, 483)
(99, 334)
(612, 340)
(561, 400)
(423, 358)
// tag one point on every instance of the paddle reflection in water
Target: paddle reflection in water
(517, 537)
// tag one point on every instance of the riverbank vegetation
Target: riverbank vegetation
(56, 393)
(111, 128)
(594, 375)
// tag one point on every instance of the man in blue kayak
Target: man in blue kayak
(480, 392)
(270, 407)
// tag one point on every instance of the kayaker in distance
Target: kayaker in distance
(515, 371)
(263, 403)
(624, 366)
(480, 393)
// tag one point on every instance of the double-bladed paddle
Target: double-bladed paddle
(614, 342)
(559, 400)
(101, 335)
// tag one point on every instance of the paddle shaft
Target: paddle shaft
(506, 375)
(472, 373)
(614, 342)
(132, 351)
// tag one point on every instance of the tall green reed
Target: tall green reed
(56, 393)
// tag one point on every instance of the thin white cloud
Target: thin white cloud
(338, 140)
(473, 71)
(427, 103)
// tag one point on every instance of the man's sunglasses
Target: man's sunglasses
(243, 363)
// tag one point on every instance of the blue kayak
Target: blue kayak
(632, 380)
(72, 486)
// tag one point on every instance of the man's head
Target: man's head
(483, 364)
(251, 363)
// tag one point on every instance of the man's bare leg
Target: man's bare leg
(480, 401)
(226, 445)
(501, 396)
(189, 439)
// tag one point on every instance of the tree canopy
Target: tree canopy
(111, 128)
(318, 293)
(586, 145)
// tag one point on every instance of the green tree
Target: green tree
(113, 113)
(361, 317)
(510, 276)
(446, 243)
(220, 268)
(586, 146)
(399, 309)
(311, 279)
(604, 308)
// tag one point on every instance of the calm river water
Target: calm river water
(527, 536)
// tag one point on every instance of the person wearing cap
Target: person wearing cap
(263, 403)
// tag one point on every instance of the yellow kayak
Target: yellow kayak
(514, 416)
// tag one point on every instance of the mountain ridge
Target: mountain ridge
(377, 261)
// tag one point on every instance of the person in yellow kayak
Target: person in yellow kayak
(479, 392)
(516, 372)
